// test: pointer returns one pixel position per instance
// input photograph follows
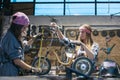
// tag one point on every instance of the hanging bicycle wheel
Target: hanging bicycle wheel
(44, 64)
(83, 65)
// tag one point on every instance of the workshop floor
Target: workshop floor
(53, 76)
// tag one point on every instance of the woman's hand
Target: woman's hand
(53, 24)
(77, 42)
(36, 70)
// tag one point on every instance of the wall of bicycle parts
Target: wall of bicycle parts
(71, 20)
(99, 33)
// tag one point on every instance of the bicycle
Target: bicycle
(68, 58)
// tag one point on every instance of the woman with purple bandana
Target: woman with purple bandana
(12, 49)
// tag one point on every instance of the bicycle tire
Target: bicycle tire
(45, 65)
(83, 65)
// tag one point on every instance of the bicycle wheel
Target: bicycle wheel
(83, 65)
(45, 65)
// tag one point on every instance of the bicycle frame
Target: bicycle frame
(55, 53)
(81, 63)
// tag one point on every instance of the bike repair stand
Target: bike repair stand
(69, 72)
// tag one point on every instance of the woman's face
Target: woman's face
(82, 34)
(24, 31)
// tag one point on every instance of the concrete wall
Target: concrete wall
(71, 20)
(76, 20)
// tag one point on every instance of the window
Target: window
(74, 7)
(79, 0)
(22, 0)
(107, 9)
(80, 9)
(49, 9)
(108, 0)
(49, 0)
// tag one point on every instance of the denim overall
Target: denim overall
(10, 49)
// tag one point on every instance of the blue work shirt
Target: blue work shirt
(11, 49)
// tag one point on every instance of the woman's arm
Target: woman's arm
(66, 41)
(59, 33)
(22, 64)
(61, 36)
(25, 66)
(88, 51)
